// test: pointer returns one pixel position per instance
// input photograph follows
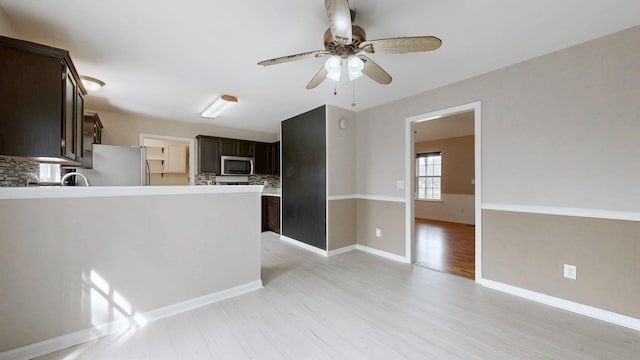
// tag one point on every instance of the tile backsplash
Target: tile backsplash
(273, 181)
(18, 172)
(203, 179)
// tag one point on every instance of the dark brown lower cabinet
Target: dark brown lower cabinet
(271, 214)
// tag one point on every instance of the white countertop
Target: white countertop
(114, 191)
(269, 191)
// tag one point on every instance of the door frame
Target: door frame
(476, 107)
(192, 156)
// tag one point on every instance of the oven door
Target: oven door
(235, 165)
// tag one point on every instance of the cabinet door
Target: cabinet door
(208, 155)
(273, 213)
(245, 148)
(31, 93)
(79, 126)
(69, 124)
(228, 147)
(265, 213)
(275, 158)
(262, 164)
(176, 159)
(87, 141)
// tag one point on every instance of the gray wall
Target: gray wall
(558, 131)
(341, 179)
(572, 114)
(125, 129)
(74, 263)
(6, 28)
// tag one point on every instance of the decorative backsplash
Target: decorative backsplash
(273, 181)
(204, 179)
(18, 172)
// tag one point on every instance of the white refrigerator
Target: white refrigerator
(117, 166)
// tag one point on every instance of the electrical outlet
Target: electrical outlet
(570, 271)
(400, 184)
(378, 232)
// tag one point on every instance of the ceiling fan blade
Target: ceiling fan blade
(374, 71)
(288, 58)
(319, 78)
(339, 16)
(401, 45)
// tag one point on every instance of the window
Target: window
(428, 176)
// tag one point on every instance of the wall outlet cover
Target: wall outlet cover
(400, 184)
(378, 232)
(570, 271)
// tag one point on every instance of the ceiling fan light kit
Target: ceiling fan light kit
(333, 65)
(355, 65)
(344, 40)
(220, 105)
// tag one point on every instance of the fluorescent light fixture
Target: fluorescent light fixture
(333, 65)
(354, 67)
(91, 84)
(218, 106)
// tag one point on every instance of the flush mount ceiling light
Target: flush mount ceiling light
(221, 104)
(91, 84)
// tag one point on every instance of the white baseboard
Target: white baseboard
(305, 246)
(345, 249)
(383, 254)
(341, 250)
(452, 220)
(82, 336)
(578, 308)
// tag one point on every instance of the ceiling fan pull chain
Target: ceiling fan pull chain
(335, 90)
(353, 101)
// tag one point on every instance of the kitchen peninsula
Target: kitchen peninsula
(81, 262)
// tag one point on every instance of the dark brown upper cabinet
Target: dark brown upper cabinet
(228, 147)
(210, 149)
(42, 104)
(208, 155)
(267, 158)
(246, 148)
(235, 147)
(91, 134)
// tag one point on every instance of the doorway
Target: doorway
(443, 192)
(168, 160)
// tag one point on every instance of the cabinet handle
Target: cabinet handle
(63, 143)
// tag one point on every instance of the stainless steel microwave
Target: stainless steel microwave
(236, 165)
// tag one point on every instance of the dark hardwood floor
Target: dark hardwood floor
(446, 246)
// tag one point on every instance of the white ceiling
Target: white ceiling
(170, 59)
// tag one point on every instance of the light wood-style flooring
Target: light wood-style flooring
(359, 306)
(446, 246)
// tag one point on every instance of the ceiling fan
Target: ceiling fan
(346, 41)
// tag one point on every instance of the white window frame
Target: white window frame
(429, 194)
